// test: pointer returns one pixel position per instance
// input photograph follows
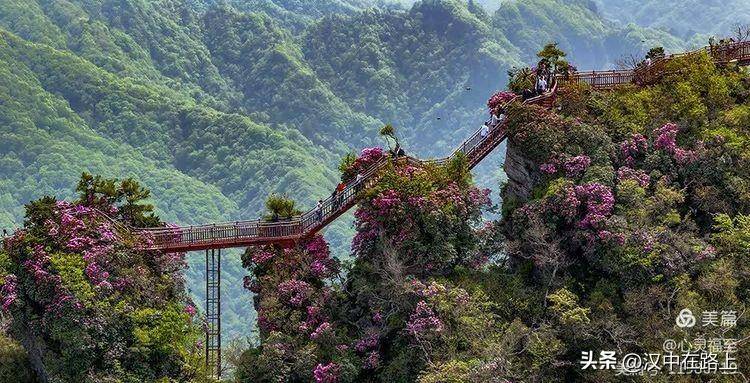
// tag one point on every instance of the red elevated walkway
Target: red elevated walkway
(260, 232)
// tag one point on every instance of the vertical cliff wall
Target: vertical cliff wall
(523, 174)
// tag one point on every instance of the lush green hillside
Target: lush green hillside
(692, 19)
(592, 41)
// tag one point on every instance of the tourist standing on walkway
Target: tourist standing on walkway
(541, 85)
(484, 131)
(358, 182)
(340, 192)
(319, 210)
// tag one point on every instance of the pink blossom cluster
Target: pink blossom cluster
(479, 197)
(366, 159)
(97, 275)
(323, 265)
(548, 168)
(326, 373)
(568, 205)
(385, 202)
(372, 361)
(323, 329)
(190, 310)
(497, 100)
(8, 291)
(599, 202)
(666, 140)
(639, 176)
(37, 264)
(684, 156)
(295, 291)
(666, 137)
(262, 256)
(371, 155)
(452, 196)
(423, 321)
(575, 166)
(369, 342)
(632, 148)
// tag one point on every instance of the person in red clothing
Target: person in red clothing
(339, 191)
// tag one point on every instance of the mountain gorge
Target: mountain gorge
(215, 105)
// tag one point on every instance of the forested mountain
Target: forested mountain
(213, 105)
(593, 41)
(688, 19)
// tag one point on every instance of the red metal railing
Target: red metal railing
(648, 74)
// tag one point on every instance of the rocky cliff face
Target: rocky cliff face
(523, 174)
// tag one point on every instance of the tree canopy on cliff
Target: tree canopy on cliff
(88, 306)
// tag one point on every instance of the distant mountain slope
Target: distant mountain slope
(591, 40)
(46, 146)
(436, 60)
(295, 15)
(266, 64)
(688, 19)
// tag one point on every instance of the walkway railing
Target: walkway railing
(648, 74)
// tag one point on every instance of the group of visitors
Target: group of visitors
(398, 151)
(542, 80)
(496, 118)
(337, 197)
(712, 41)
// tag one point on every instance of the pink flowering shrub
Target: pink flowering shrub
(407, 213)
(326, 373)
(351, 166)
(639, 176)
(665, 138)
(73, 282)
(499, 99)
(422, 222)
(633, 148)
(295, 305)
(423, 321)
(589, 188)
(575, 166)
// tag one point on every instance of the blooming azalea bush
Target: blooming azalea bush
(417, 223)
(638, 201)
(86, 304)
(296, 308)
(352, 165)
(498, 100)
(425, 214)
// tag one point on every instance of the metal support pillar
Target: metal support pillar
(213, 311)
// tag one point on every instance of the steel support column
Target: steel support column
(213, 311)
